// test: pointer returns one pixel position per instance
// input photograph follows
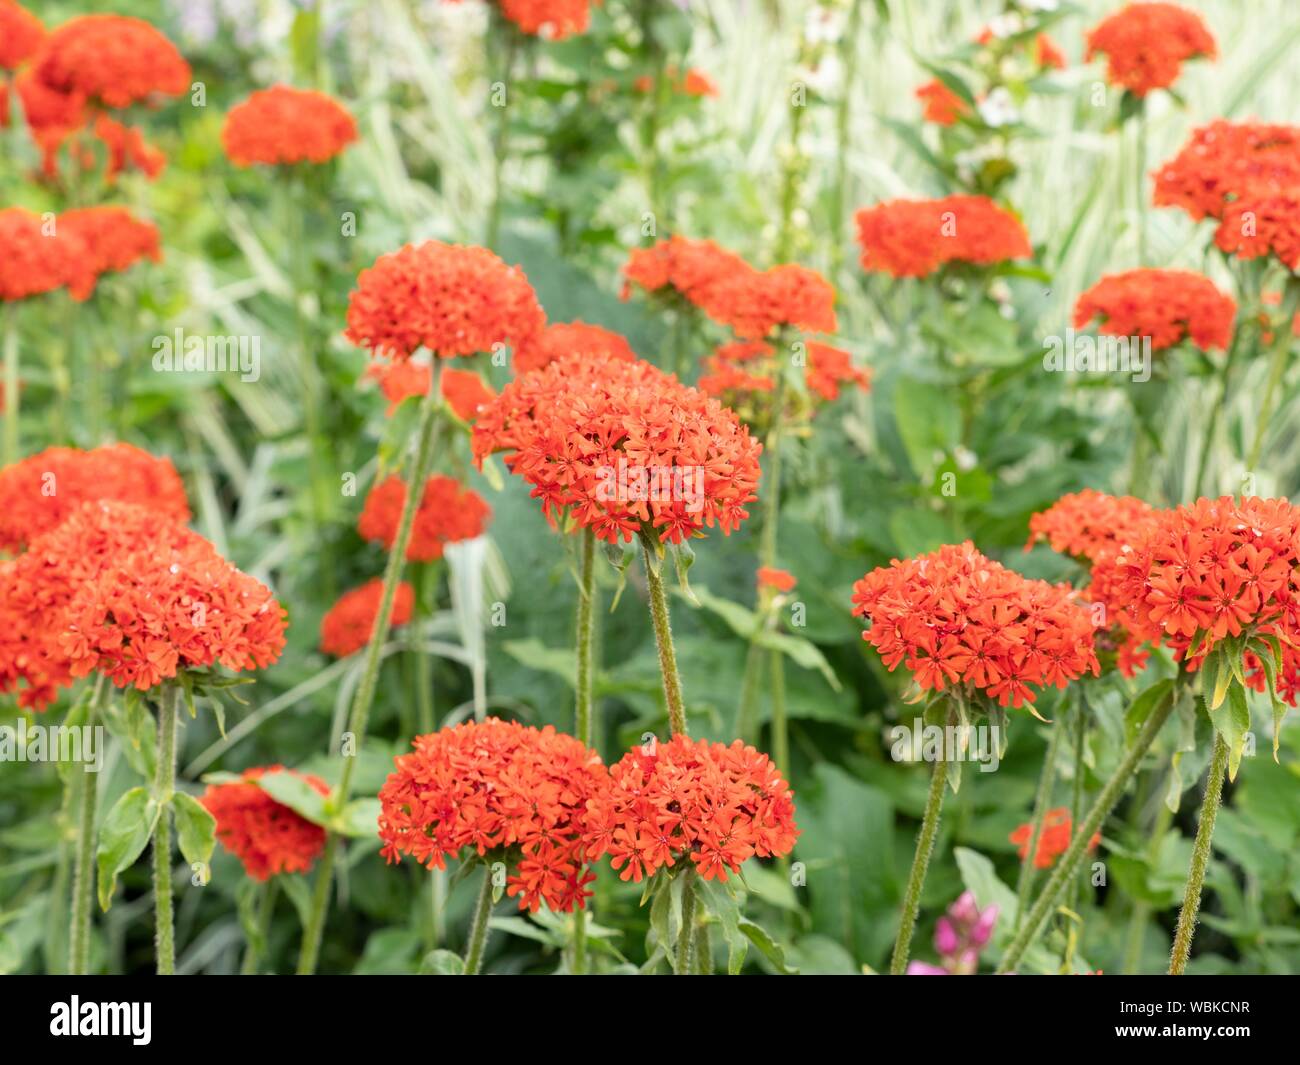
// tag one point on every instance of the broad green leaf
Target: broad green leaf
(196, 829)
(122, 838)
(442, 963)
(295, 793)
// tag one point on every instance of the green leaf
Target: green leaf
(929, 422)
(360, 819)
(1144, 705)
(800, 651)
(767, 946)
(122, 838)
(1232, 723)
(442, 963)
(719, 901)
(683, 559)
(196, 829)
(295, 793)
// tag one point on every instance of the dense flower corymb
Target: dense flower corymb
(1229, 161)
(954, 617)
(21, 34)
(448, 512)
(349, 623)
(690, 268)
(112, 60)
(35, 258)
(283, 125)
(708, 803)
(623, 446)
(1145, 45)
(913, 238)
(552, 19)
(450, 298)
(37, 493)
(515, 792)
(1165, 305)
(113, 239)
(1053, 838)
(593, 342)
(268, 837)
(755, 303)
(1090, 525)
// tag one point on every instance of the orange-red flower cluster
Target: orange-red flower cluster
(450, 298)
(21, 34)
(552, 19)
(623, 446)
(690, 799)
(349, 623)
(111, 61)
(514, 792)
(1048, 56)
(283, 125)
(113, 240)
(693, 83)
(1213, 570)
(777, 579)
(1094, 527)
(956, 617)
(913, 238)
(268, 837)
(942, 106)
(448, 512)
(124, 590)
(464, 391)
(40, 491)
(592, 342)
(1145, 45)
(690, 268)
(35, 258)
(1053, 838)
(1165, 305)
(750, 366)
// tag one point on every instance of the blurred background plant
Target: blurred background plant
(762, 124)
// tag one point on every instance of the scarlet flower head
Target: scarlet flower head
(622, 447)
(284, 125)
(755, 303)
(268, 837)
(1166, 305)
(688, 268)
(39, 492)
(1211, 571)
(21, 34)
(349, 623)
(455, 300)
(119, 589)
(35, 258)
(551, 19)
(777, 579)
(1260, 224)
(1090, 525)
(448, 513)
(510, 792)
(112, 61)
(1226, 162)
(1053, 838)
(954, 617)
(690, 800)
(913, 238)
(942, 106)
(1048, 56)
(745, 367)
(593, 342)
(127, 150)
(1145, 45)
(114, 240)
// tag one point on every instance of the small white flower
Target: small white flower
(966, 459)
(998, 108)
(1006, 25)
(823, 25)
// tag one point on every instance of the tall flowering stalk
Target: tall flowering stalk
(454, 301)
(976, 637)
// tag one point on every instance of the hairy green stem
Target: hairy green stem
(920, 863)
(686, 934)
(163, 788)
(586, 612)
(1046, 778)
(664, 637)
(425, 439)
(265, 909)
(1200, 858)
(84, 873)
(478, 930)
(1101, 808)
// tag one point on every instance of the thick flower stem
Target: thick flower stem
(664, 639)
(11, 384)
(84, 870)
(1045, 780)
(1200, 858)
(1065, 868)
(265, 908)
(478, 929)
(686, 935)
(425, 440)
(586, 611)
(920, 863)
(163, 788)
